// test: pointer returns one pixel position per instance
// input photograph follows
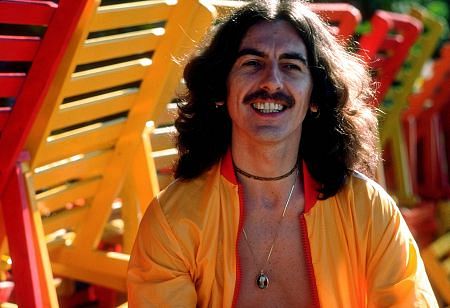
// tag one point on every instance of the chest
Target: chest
(281, 257)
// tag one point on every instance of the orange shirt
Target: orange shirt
(359, 250)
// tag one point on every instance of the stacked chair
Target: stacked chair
(424, 123)
(343, 18)
(428, 148)
(396, 102)
(412, 131)
(386, 55)
(34, 37)
(86, 146)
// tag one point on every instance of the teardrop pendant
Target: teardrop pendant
(262, 281)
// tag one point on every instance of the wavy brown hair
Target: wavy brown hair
(341, 139)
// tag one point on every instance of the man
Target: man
(268, 209)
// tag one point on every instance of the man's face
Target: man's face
(269, 85)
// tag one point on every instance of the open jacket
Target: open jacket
(359, 251)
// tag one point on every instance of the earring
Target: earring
(219, 104)
(314, 111)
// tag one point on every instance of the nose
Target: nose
(272, 79)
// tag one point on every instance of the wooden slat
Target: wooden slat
(88, 275)
(130, 14)
(18, 48)
(92, 138)
(68, 219)
(120, 45)
(164, 161)
(26, 12)
(92, 108)
(113, 263)
(168, 116)
(56, 199)
(79, 167)
(163, 138)
(11, 84)
(107, 77)
(101, 268)
(165, 157)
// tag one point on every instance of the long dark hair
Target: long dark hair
(342, 138)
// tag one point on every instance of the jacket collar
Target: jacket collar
(310, 186)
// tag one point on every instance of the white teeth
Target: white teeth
(268, 107)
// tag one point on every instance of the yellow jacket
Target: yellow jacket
(359, 251)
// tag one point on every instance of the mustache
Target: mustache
(263, 94)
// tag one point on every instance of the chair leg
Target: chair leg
(435, 257)
(32, 289)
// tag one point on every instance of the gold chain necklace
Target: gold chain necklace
(262, 280)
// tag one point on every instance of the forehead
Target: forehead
(273, 36)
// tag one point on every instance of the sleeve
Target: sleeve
(158, 272)
(396, 274)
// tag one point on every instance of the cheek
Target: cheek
(306, 88)
(231, 86)
(236, 90)
(302, 91)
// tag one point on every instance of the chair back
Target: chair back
(387, 46)
(342, 17)
(84, 142)
(34, 37)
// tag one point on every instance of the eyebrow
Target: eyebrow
(258, 53)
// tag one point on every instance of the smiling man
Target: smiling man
(270, 207)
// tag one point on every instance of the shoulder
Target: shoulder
(190, 200)
(186, 191)
(176, 215)
(366, 198)
(364, 189)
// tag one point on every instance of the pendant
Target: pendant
(262, 281)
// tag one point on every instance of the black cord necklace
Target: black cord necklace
(262, 178)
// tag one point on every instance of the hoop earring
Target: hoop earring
(219, 105)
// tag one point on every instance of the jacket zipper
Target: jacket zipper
(237, 286)
(308, 261)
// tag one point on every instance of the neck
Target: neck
(267, 161)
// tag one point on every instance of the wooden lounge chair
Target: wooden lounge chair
(33, 39)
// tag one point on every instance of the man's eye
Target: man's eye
(252, 63)
(292, 67)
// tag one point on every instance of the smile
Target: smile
(268, 107)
